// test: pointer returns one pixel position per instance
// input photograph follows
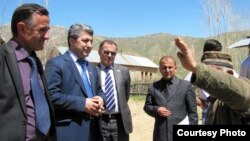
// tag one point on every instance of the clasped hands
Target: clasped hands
(94, 106)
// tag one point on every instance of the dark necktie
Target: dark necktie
(85, 80)
(166, 92)
(109, 91)
(41, 106)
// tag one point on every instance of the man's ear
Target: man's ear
(71, 41)
(21, 28)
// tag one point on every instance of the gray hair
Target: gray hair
(76, 29)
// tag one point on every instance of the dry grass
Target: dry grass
(142, 123)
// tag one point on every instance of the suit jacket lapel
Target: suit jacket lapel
(117, 74)
(15, 73)
(91, 78)
(98, 67)
(74, 71)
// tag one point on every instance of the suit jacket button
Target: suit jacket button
(24, 122)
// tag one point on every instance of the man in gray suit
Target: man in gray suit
(116, 121)
(169, 101)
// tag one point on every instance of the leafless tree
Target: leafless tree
(218, 16)
(221, 17)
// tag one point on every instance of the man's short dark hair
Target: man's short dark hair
(107, 41)
(24, 13)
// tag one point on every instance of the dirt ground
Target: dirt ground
(143, 124)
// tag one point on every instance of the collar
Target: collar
(104, 67)
(74, 57)
(165, 81)
(20, 52)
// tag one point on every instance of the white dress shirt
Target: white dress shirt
(245, 68)
(103, 76)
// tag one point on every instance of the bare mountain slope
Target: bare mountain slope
(151, 46)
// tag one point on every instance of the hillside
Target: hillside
(151, 46)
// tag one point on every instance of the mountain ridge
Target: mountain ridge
(151, 46)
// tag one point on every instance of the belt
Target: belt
(91, 117)
(88, 116)
(111, 116)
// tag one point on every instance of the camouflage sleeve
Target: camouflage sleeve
(233, 91)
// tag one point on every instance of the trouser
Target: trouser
(112, 128)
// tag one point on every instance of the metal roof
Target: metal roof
(122, 59)
(241, 43)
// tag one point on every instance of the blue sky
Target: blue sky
(127, 18)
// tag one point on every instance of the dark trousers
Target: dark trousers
(245, 119)
(112, 129)
(95, 133)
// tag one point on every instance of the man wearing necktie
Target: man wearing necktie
(116, 121)
(75, 89)
(26, 113)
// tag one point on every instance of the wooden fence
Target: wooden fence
(139, 88)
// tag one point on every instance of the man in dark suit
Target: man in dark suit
(18, 115)
(116, 121)
(76, 103)
(170, 100)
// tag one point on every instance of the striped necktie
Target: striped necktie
(109, 91)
